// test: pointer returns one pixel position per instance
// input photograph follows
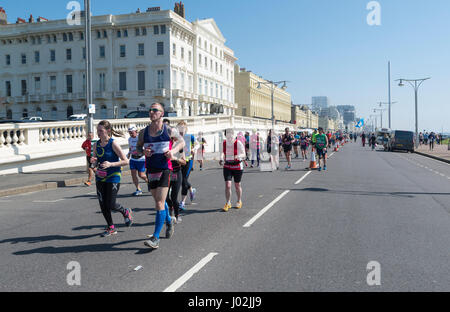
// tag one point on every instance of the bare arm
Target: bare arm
(123, 159)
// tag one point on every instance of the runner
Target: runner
(201, 149)
(287, 141)
(296, 143)
(87, 146)
(155, 142)
(176, 179)
(137, 161)
(109, 158)
(363, 139)
(321, 147)
(304, 146)
(186, 168)
(233, 153)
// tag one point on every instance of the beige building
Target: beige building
(328, 124)
(256, 102)
(303, 117)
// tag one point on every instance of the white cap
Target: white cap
(132, 128)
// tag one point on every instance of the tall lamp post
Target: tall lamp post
(87, 15)
(389, 104)
(415, 83)
(376, 122)
(273, 84)
(381, 110)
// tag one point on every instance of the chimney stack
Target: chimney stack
(179, 9)
(3, 20)
(31, 19)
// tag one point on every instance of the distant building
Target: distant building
(348, 113)
(303, 117)
(319, 103)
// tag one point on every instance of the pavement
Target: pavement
(439, 152)
(297, 231)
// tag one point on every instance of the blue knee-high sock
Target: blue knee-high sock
(166, 209)
(159, 222)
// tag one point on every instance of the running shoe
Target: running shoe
(137, 193)
(324, 167)
(181, 206)
(109, 231)
(226, 207)
(178, 220)
(192, 194)
(320, 168)
(239, 205)
(170, 228)
(88, 183)
(153, 242)
(128, 217)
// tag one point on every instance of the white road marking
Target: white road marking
(264, 210)
(47, 201)
(304, 176)
(183, 279)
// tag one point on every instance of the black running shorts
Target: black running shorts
(158, 178)
(229, 174)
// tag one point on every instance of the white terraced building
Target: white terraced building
(137, 59)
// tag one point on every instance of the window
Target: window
(68, 54)
(70, 37)
(221, 92)
(8, 59)
(83, 51)
(160, 48)
(25, 113)
(182, 53)
(199, 85)
(174, 49)
(141, 80)
(119, 34)
(141, 49)
(54, 38)
(144, 31)
(200, 60)
(102, 80)
(217, 68)
(99, 34)
(64, 37)
(84, 83)
(52, 56)
(23, 85)
(182, 81)
(191, 85)
(190, 57)
(206, 87)
(206, 62)
(217, 90)
(37, 84)
(105, 34)
(24, 58)
(211, 89)
(156, 30)
(122, 51)
(160, 80)
(199, 41)
(39, 41)
(125, 32)
(137, 32)
(102, 51)
(122, 81)
(174, 79)
(81, 35)
(48, 39)
(8, 88)
(69, 83)
(163, 29)
(52, 84)
(211, 66)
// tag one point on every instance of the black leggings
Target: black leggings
(172, 194)
(107, 194)
(186, 171)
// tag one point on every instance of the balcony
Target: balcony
(159, 92)
(21, 99)
(8, 100)
(203, 98)
(188, 95)
(66, 96)
(141, 92)
(101, 95)
(51, 97)
(178, 93)
(119, 94)
(35, 98)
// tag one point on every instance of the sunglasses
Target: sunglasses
(154, 110)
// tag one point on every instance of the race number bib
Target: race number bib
(155, 176)
(174, 177)
(158, 147)
(101, 173)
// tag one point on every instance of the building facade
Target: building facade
(319, 103)
(256, 102)
(303, 117)
(137, 59)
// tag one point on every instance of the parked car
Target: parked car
(34, 118)
(401, 140)
(77, 117)
(137, 114)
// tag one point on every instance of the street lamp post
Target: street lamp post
(381, 110)
(273, 84)
(415, 83)
(389, 104)
(87, 15)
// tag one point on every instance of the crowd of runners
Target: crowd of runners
(162, 156)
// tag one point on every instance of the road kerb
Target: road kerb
(29, 189)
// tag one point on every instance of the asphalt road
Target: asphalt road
(317, 235)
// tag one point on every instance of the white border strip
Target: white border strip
(183, 279)
(264, 210)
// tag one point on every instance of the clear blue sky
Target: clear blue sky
(324, 47)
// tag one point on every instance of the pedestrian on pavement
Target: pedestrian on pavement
(109, 158)
(373, 141)
(155, 142)
(321, 148)
(137, 161)
(296, 143)
(432, 138)
(87, 146)
(231, 158)
(186, 168)
(255, 147)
